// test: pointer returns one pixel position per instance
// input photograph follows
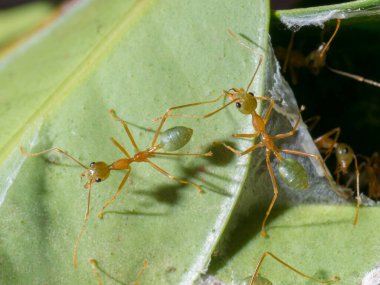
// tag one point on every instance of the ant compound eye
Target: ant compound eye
(251, 93)
(92, 164)
(238, 104)
(345, 150)
(98, 180)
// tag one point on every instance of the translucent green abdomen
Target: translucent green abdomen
(293, 174)
(175, 138)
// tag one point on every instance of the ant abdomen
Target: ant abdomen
(175, 138)
(293, 174)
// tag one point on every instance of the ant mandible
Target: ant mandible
(291, 171)
(256, 279)
(170, 140)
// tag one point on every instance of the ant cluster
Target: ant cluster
(327, 144)
(290, 170)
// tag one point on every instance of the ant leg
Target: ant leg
(337, 176)
(288, 52)
(198, 187)
(267, 253)
(246, 135)
(326, 47)
(100, 215)
(317, 157)
(319, 142)
(275, 193)
(120, 147)
(354, 76)
(266, 117)
(235, 151)
(124, 123)
(83, 226)
(358, 200)
(183, 154)
(94, 266)
(360, 168)
(293, 75)
(312, 122)
(137, 282)
(292, 132)
(269, 111)
(167, 113)
(234, 36)
(25, 153)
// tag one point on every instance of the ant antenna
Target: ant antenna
(234, 36)
(354, 76)
(83, 226)
(254, 74)
(26, 154)
(326, 47)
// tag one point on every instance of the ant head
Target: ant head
(316, 59)
(344, 155)
(98, 172)
(245, 102)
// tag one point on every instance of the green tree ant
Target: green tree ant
(259, 280)
(291, 171)
(327, 144)
(314, 61)
(95, 267)
(172, 139)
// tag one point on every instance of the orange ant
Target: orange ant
(290, 170)
(258, 280)
(95, 267)
(328, 143)
(315, 61)
(172, 139)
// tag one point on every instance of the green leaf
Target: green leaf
(139, 58)
(296, 18)
(319, 240)
(19, 21)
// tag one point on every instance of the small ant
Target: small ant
(291, 171)
(328, 143)
(172, 139)
(95, 267)
(369, 169)
(315, 61)
(372, 167)
(258, 280)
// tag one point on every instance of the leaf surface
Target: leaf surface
(139, 58)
